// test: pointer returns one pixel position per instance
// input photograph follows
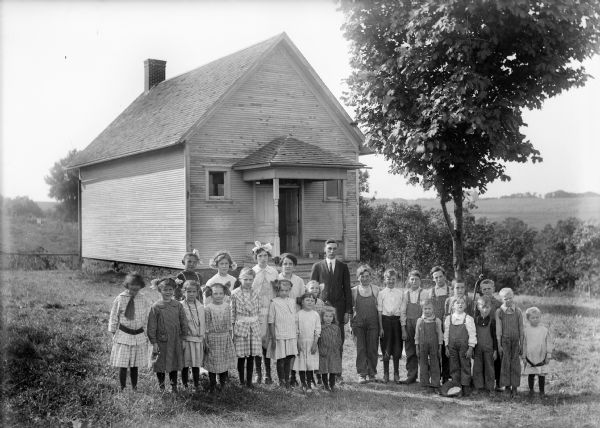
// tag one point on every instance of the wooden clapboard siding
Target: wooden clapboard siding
(134, 209)
(218, 225)
(276, 100)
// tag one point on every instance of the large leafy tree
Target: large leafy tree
(439, 87)
(64, 186)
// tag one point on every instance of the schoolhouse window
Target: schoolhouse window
(333, 190)
(217, 184)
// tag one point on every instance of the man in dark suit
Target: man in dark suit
(336, 277)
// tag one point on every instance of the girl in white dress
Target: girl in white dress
(193, 343)
(537, 350)
(309, 331)
(223, 262)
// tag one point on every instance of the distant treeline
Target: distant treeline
(560, 257)
(24, 207)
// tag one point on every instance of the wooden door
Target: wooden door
(264, 218)
(289, 221)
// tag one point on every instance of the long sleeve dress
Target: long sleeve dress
(193, 343)
(309, 326)
(220, 353)
(130, 342)
(167, 325)
(330, 349)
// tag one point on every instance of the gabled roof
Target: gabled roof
(288, 151)
(162, 116)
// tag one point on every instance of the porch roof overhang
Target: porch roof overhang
(289, 158)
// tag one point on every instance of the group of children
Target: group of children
(242, 323)
(259, 316)
(442, 331)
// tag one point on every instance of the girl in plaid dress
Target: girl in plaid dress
(245, 309)
(220, 353)
(330, 348)
(166, 325)
(282, 330)
(128, 317)
(193, 343)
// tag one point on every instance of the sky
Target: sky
(69, 68)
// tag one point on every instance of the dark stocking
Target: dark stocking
(173, 379)
(249, 370)
(287, 365)
(133, 373)
(267, 366)
(240, 368)
(185, 374)
(280, 370)
(309, 378)
(223, 378)
(542, 383)
(196, 376)
(331, 380)
(531, 381)
(161, 380)
(302, 374)
(123, 377)
(212, 381)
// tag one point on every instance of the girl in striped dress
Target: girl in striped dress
(330, 348)
(128, 318)
(220, 353)
(223, 262)
(282, 330)
(509, 333)
(193, 343)
(245, 309)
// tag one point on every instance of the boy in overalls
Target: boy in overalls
(438, 295)
(460, 338)
(487, 345)
(410, 312)
(429, 339)
(509, 333)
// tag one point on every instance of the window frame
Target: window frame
(340, 191)
(226, 185)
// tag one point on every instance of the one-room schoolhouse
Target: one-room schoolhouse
(250, 147)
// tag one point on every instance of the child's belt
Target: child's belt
(130, 331)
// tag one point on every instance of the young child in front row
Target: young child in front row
(509, 333)
(330, 348)
(309, 330)
(128, 319)
(193, 343)
(389, 302)
(460, 339)
(245, 309)
(220, 353)
(166, 325)
(487, 345)
(428, 340)
(283, 339)
(537, 350)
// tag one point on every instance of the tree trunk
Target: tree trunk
(456, 232)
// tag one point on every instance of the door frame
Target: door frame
(300, 188)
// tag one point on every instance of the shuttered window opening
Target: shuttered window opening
(333, 190)
(218, 184)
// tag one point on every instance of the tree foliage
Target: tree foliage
(64, 186)
(439, 87)
(21, 206)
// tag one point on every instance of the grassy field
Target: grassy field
(21, 235)
(57, 348)
(536, 212)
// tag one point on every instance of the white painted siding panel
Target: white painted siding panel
(134, 211)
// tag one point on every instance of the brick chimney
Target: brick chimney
(154, 73)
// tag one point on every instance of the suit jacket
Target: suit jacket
(337, 290)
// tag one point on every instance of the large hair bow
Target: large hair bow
(258, 246)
